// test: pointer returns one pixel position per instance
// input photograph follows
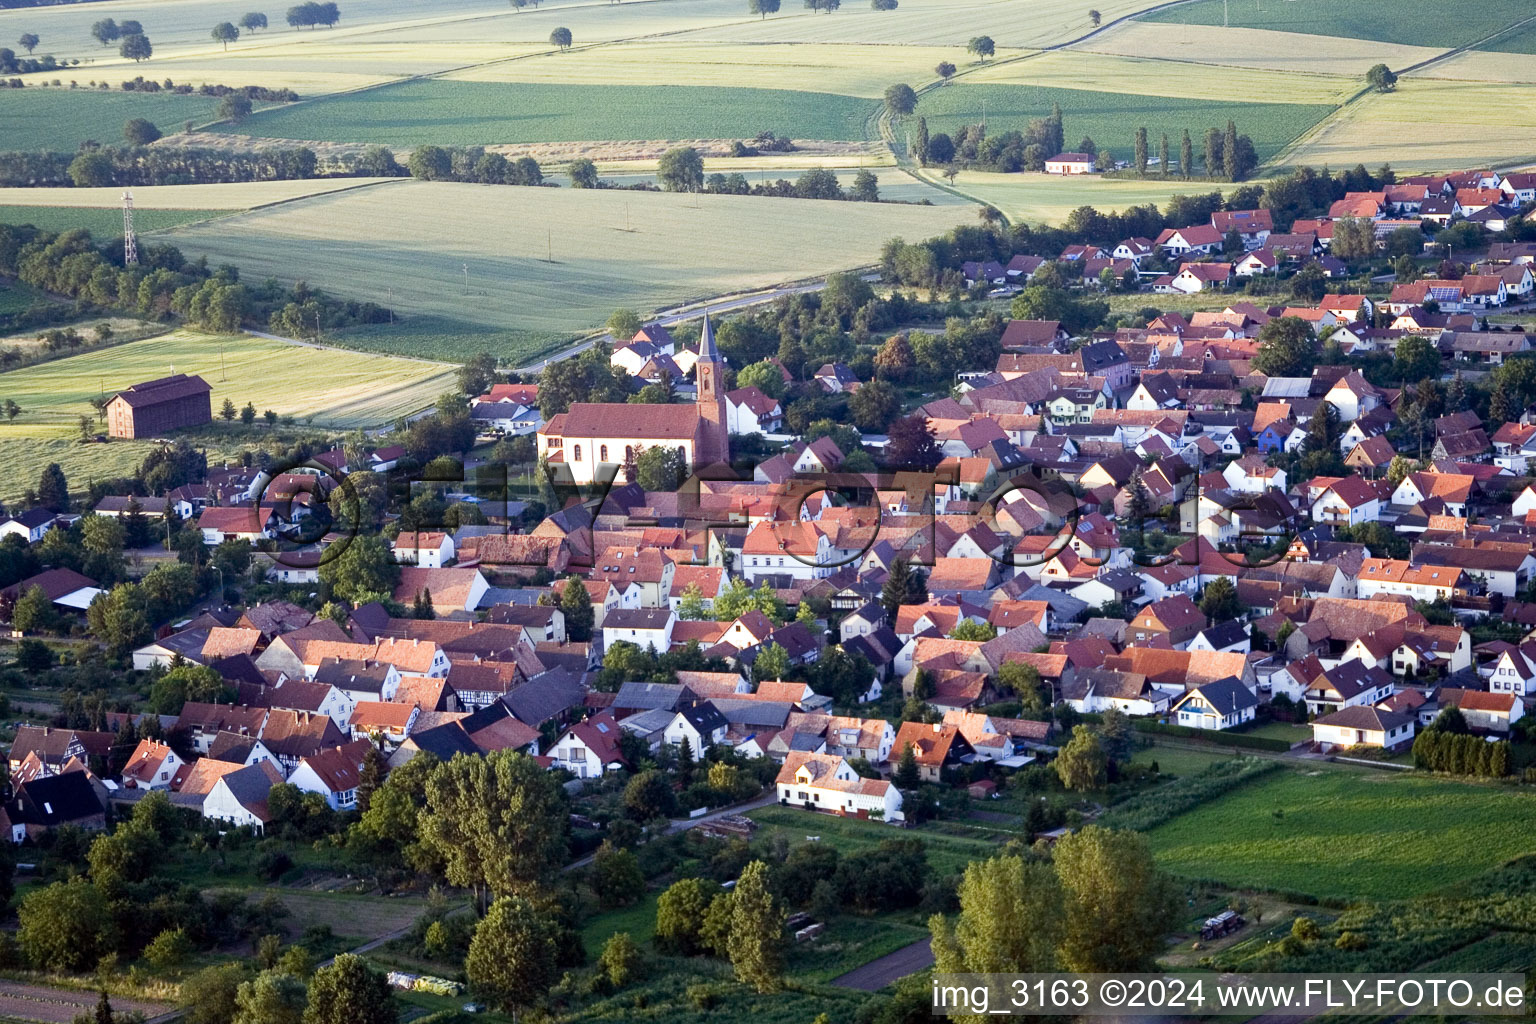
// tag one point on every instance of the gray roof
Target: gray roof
(545, 696)
(1227, 696)
(637, 618)
(705, 718)
(764, 713)
(651, 695)
(648, 722)
(250, 785)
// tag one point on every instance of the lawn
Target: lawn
(481, 254)
(61, 119)
(947, 854)
(1393, 21)
(102, 223)
(1348, 834)
(1179, 760)
(1428, 124)
(337, 389)
(482, 113)
(1111, 119)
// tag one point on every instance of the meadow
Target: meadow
(30, 447)
(332, 388)
(60, 119)
(543, 263)
(1047, 198)
(1346, 834)
(1111, 119)
(1427, 124)
(104, 224)
(1394, 21)
(481, 113)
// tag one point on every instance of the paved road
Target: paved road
(692, 311)
(892, 967)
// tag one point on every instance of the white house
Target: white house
(701, 726)
(334, 774)
(1218, 705)
(1515, 671)
(427, 550)
(798, 550)
(749, 410)
(589, 749)
(643, 627)
(825, 782)
(240, 798)
(1362, 726)
(29, 525)
(1349, 500)
(1070, 163)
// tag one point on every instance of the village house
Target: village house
(826, 782)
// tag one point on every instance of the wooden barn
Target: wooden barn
(158, 406)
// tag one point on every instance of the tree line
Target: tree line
(1228, 155)
(128, 166)
(164, 285)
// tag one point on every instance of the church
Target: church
(591, 434)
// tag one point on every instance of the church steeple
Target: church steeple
(708, 376)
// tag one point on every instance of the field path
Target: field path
(892, 967)
(48, 1004)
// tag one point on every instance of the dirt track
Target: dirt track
(49, 1005)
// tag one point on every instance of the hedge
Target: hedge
(1220, 739)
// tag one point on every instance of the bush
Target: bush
(272, 864)
(703, 997)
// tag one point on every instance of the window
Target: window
(629, 453)
(602, 454)
(578, 453)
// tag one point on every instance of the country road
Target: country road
(692, 310)
(892, 967)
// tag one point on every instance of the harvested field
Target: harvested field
(953, 23)
(1483, 66)
(1255, 48)
(1428, 124)
(1115, 74)
(845, 70)
(554, 262)
(48, 1005)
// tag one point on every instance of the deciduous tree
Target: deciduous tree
(349, 992)
(511, 959)
(757, 930)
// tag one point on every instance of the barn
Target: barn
(158, 406)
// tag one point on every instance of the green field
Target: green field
(339, 389)
(15, 296)
(61, 119)
(947, 855)
(1348, 834)
(1393, 21)
(103, 224)
(1521, 40)
(1111, 119)
(528, 267)
(481, 113)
